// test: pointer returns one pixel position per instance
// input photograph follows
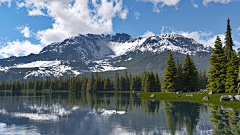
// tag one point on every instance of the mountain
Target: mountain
(104, 53)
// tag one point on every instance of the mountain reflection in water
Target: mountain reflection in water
(110, 113)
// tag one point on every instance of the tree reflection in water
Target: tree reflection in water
(144, 116)
(226, 121)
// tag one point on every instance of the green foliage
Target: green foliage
(228, 42)
(169, 82)
(217, 73)
(190, 76)
(232, 75)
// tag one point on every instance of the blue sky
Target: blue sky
(29, 25)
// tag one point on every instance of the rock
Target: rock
(227, 98)
(189, 95)
(179, 92)
(152, 95)
(210, 92)
(237, 97)
(224, 98)
(231, 97)
(205, 98)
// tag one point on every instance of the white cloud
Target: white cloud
(25, 31)
(18, 48)
(237, 44)
(194, 4)
(238, 29)
(147, 34)
(6, 1)
(71, 18)
(205, 2)
(162, 3)
(136, 14)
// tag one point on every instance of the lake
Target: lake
(110, 113)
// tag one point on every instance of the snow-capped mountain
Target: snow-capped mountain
(87, 53)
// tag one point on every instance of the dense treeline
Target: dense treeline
(148, 82)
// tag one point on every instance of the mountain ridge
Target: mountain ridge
(89, 52)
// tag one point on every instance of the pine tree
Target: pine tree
(116, 81)
(36, 87)
(107, 84)
(90, 83)
(169, 81)
(133, 84)
(232, 74)
(158, 85)
(147, 84)
(228, 42)
(190, 75)
(217, 73)
(127, 85)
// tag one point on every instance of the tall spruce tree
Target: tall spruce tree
(228, 42)
(217, 73)
(232, 74)
(90, 83)
(190, 75)
(169, 81)
(116, 81)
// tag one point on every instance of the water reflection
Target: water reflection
(111, 113)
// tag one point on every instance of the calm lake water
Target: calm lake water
(110, 114)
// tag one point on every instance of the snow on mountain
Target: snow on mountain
(90, 53)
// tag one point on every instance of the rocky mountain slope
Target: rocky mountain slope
(101, 53)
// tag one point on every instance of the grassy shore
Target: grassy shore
(213, 98)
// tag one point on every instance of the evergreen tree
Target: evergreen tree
(107, 84)
(133, 84)
(36, 85)
(169, 81)
(147, 84)
(190, 75)
(232, 74)
(116, 82)
(228, 42)
(90, 83)
(127, 85)
(158, 85)
(217, 73)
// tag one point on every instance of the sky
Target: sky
(26, 26)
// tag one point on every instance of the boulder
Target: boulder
(210, 92)
(205, 98)
(227, 98)
(152, 95)
(231, 97)
(224, 98)
(179, 92)
(237, 97)
(189, 95)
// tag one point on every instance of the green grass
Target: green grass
(213, 98)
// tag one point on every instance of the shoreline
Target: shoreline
(196, 98)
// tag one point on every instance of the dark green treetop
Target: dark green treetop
(169, 81)
(217, 73)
